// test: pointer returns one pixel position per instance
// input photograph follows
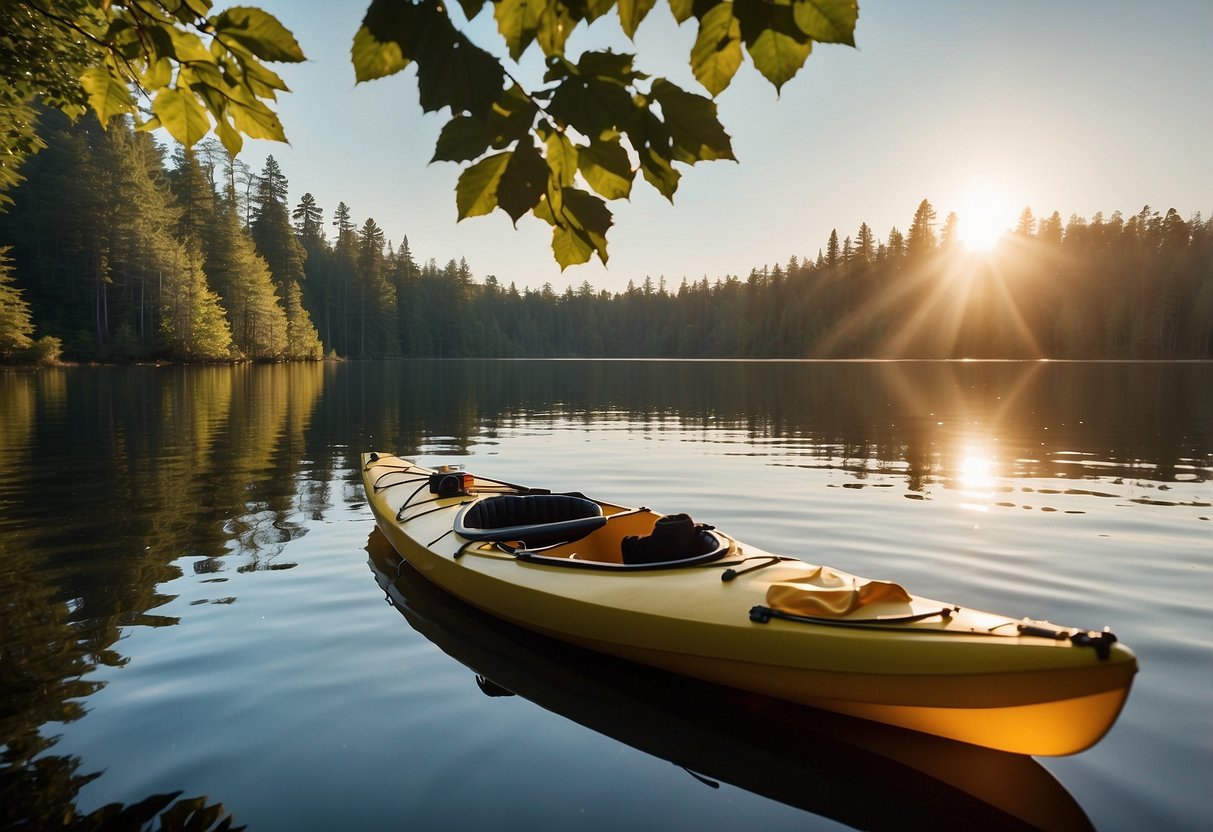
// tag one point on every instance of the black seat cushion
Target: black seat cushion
(536, 519)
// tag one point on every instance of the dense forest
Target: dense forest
(115, 250)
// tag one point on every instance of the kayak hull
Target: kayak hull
(958, 673)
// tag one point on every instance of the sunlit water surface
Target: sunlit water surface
(189, 610)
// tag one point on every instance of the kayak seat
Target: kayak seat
(536, 519)
(674, 537)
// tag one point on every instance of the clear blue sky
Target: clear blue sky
(1076, 107)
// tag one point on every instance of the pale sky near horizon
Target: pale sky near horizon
(1076, 107)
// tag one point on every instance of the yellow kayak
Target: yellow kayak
(688, 598)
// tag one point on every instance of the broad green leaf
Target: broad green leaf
(214, 99)
(182, 116)
(778, 56)
(682, 9)
(199, 8)
(607, 169)
(562, 158)
(631, 13)
(387, 40)
(130, 42)
(476, 191)
(259, 32)
(108, 94)
(827, 21)
(373, 58)
(595, 9)
(247, 71)
(555, 26)
(204, 73)
(776, 44)
(518, 21)
(186, 46)
(716, 54)
(695, 132)
(569, 247)
(587, 212)
(589, 217)
(579, 230)
(159, 73)
(158, 42)
(256, 121)
(543, 211)
(524, 181)
(231, 138)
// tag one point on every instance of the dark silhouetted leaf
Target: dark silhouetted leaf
(589, 216)
(594, 103)
(524, 181)
(464, 138)
(453, 72)
(695, 132)
(471, 8)
(659, 173)
(579, 226)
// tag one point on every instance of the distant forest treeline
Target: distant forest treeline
(115, 252)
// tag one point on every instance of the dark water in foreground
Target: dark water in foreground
(194, 616)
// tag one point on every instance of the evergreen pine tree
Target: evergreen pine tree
(16, 324)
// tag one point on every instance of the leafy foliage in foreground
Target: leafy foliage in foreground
(197, 70)
(561, 151)
(558, 152)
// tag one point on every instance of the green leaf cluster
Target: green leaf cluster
(197, 68)
(560, 152)
(193, 69)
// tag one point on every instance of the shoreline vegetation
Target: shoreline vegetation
(115, 251)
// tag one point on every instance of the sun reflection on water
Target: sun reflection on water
(975, 476)
(975, 472)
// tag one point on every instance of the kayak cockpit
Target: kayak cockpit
(535, 519)
(571, 530)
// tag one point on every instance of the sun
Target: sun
(983, 216)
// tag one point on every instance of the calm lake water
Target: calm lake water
(194, 611)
